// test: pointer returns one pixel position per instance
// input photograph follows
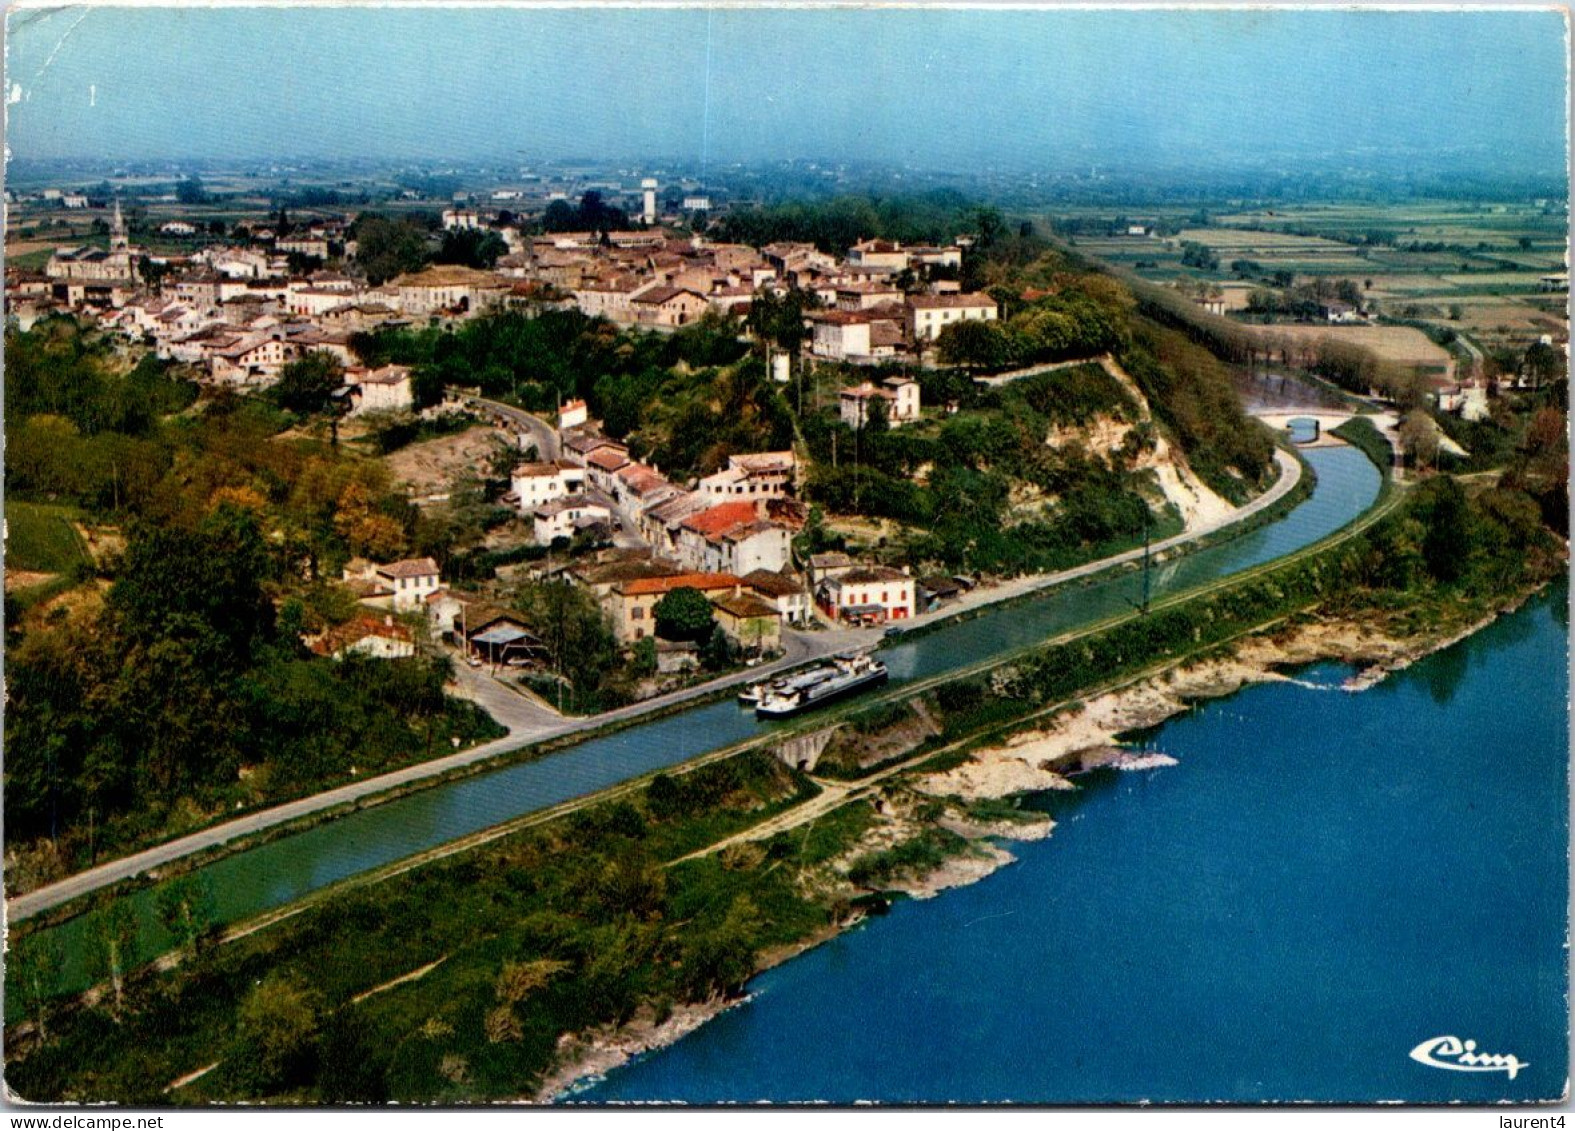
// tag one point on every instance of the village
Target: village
(241, 310)
(239, 313)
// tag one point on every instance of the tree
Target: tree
(186, 909)
(386, 248)
(277, 1023)
(113, 932)
(1543, 364)
(152, 272)
(471, 247)
(778, 318)
(644, 661)
(717, 651)
(307, 385)
(684, 614)
(719, 961)
(174, 583)
(572, 628)
(190, 191)
(34, 965)
(368, 530)
(1419, 438)
(975, 343)
(1446, 547)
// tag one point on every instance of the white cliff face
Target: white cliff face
(1199, 506)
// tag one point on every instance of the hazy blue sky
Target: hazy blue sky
(932, 87)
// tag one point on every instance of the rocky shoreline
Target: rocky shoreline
(1040, 759)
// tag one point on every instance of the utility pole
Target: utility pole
(1147, 568)
(1147, 562)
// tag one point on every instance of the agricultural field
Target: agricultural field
(1474, 267)
(41, 538)
(1400, 344)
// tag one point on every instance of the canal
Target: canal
(279, 872)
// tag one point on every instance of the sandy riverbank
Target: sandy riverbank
(1080, 739)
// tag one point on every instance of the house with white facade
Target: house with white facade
(867, 595)
(536, 484)
(366, 635)
(380, 390)
(563, 518)
(408, 582)
(783, 592)
(928, 315)
(899, 395)
(757, 475)
(884, 255)
(859, 336)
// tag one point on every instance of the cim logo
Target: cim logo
(1455, 1055)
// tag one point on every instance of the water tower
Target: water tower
(648, 188)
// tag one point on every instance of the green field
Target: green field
(39, 536)
(1476, 267)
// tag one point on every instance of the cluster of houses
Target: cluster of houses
(241, 312)
(727, 535)
(736, 520)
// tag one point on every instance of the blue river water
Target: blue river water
(1324, 882)
(281, 871)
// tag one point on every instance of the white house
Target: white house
(380, 390)
(382, 639)
(883, 255)
(930, 314)
(410, 581)
(536, 484)
(900, 395)
(254, 360)
(867, 595)
(784, 593)
(312, 246)
(733, 538)
(562, 517)
(858, 336)
(758, 475)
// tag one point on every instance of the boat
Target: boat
(819, 685)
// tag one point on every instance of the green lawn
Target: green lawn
(39, 536)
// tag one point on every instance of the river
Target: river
(270, 875)
(1324, 882)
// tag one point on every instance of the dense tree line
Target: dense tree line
(837, 224)
(1085, 316)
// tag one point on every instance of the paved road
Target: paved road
(540, 433)
(530, 723)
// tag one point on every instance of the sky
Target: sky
(931, 87)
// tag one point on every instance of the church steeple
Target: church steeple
(117, 231)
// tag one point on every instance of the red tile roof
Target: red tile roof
(608, 459)
(646, 586)
(719, 518)
(410, 567)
